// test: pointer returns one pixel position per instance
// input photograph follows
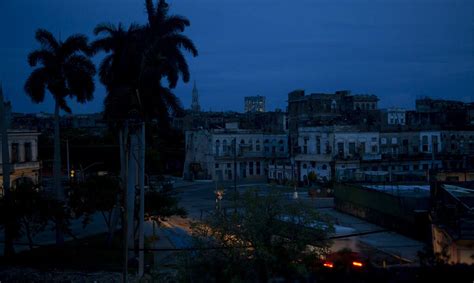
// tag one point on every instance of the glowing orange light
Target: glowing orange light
(357, 263)
(328, 264)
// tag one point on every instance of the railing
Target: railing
(28, 164)
(23, 165)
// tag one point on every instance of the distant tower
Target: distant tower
(254, 103)
(195, 104)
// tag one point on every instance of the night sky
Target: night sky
(396, 49)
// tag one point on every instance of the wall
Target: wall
(389, 211)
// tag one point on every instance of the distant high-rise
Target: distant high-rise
(255, 103)
(195, 107)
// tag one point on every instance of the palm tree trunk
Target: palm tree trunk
(116, 210)
(57, 174)
(131, 191)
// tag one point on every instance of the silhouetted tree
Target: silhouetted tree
(65, 70)
(266, 238)
(138, 58)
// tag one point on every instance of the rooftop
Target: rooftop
(402, 190)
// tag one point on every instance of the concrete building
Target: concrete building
(25, 166)
(254, 103)
(396, 116)
(334, 151)
(453, 223)
(223, 154)
(315, 152)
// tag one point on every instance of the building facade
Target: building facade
(225, 154)
(254, 103)
(24, 163)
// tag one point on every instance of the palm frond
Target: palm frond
(42, 56)
(46, 39)
(75, 43)
(175, 23)
(35, 84)
(181, 41)
(79, 72)
(150, 11)
(107, 28)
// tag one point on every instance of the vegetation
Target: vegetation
(265, 238)
(65, 70)
(137, 60)
(30, 212)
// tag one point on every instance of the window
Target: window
(325, 167)
(416, 167)
(273, 149)
(352, 148)
(425, 166)
(394, 140)
(406, 168)
(374, 149)
(305, 166)
(218, 144)
(340, 148)
(257, 165)
(267, 149)
(224, 146)
(15, 153)
(318, 145)
(228, 165)
(250, 168)
(305, 146)
(374, 139)
(434, 140)
(216, 166)
(282, 148)
(424, 142)
(257, 145)
(28, 155)
(383, 141)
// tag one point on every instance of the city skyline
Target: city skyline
(427, 54)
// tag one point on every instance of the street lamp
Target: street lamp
(67, 154)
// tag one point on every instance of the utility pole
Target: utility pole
(235, 170)
(123, 174)
(8, 247)
(67, 160)
(141, 211)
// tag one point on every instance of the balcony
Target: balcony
(34, 165)
(371, 156)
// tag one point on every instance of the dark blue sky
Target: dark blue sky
(396, 49)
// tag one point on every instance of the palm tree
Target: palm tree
(120, 68)
(65, 70)
(163, 57)
(137, 61)
(132, 72)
